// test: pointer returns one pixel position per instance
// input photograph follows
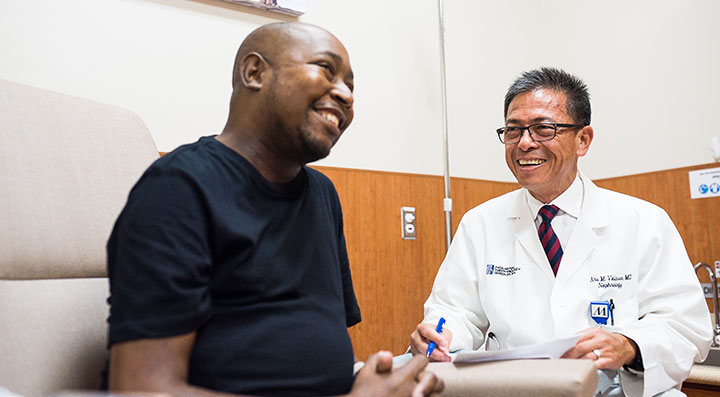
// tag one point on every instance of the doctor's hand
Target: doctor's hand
(423, 335)
(615, 350)
(378, 378)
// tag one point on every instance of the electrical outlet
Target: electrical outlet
(408, 222)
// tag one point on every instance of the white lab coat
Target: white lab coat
(496, 278)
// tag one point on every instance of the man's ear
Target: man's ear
(584, 138)
(252, 68)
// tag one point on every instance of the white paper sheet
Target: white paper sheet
(550, 349)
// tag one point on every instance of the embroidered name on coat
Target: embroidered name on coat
(610, 280)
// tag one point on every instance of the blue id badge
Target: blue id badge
(601, 311)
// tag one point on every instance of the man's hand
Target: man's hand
(615, 349)
(423, 335)
(377, 378)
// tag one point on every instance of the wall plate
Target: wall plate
(408, 222)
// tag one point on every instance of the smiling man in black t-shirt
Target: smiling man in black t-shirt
(228, 268)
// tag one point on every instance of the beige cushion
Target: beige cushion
(53, 334)
(536, 378)
(66, 167)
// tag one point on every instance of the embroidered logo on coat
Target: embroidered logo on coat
(501, 270)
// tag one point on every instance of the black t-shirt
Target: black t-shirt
(258, 269)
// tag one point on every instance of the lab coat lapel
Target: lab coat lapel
(584, 238)
(523, 226)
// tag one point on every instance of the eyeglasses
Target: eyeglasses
(539, 132)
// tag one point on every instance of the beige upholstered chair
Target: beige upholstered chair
(66, 168)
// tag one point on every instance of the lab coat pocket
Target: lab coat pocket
(616, 285)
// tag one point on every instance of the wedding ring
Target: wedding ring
(597, 353)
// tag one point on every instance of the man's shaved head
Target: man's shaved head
(271, 40)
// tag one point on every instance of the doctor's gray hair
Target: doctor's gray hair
(578, 98)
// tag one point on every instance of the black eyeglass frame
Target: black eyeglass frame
(501, 131)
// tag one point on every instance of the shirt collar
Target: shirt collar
(569, 201)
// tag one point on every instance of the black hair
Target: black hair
(575, 90)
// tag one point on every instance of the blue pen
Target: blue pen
(438, 329)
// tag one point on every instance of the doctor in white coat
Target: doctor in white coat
(562, 256)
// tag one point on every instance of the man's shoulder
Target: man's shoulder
(317, 175)
(496, 207)
(195, 161)
(625, 210)
(623, 202)
(185, 156)
(318, 178)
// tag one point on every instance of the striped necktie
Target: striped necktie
(548, 238)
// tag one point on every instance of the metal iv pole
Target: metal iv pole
(447, 201)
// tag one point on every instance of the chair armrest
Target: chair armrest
(518, 378)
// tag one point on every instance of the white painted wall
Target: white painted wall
(169, 61)
(651, 66)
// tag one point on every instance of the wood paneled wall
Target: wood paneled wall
(393, 277)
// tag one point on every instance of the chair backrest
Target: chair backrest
(66, 167)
